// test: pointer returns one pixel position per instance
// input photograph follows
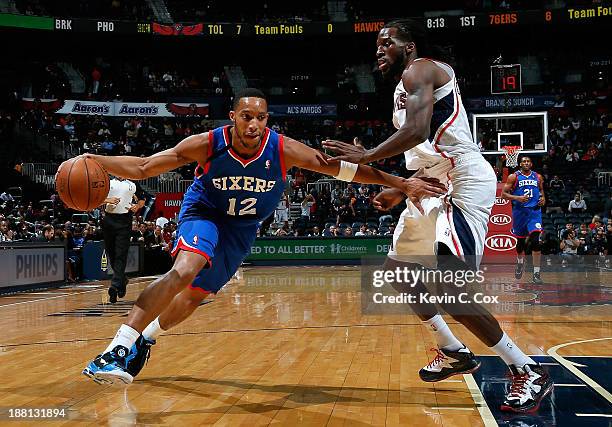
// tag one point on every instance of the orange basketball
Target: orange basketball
(82, 183)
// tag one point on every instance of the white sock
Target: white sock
(153, 330)
(510, 353)
(536, 268)
(126, 336)
(442, 333)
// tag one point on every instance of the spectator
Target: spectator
(315, 232)
(595, 223)
(600, 243)
(6, 235)
(363, 231)
(336, 193)
(557, 183)
(569, 247)
(569, 227)
(348, 232)
(345, 213)
(157, 240)
(390, 231)
(584, 235)
(308, 201)
(283, 231)
(48, 234)
(572, 156)
(161, 221)
(577, 205)
(281, 214)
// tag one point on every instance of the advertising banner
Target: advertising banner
(96, 265)
(510, 102)
(500, 243)
(31, 265)
(167, 204)
(270, 249)
(130, 109)
(316, 110)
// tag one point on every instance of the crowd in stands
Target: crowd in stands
(576, 219)
(49, 221)
(127, 81)
(579, 148)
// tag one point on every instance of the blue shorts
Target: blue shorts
(525, 221)
(224, 245)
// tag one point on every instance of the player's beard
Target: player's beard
(394, 73)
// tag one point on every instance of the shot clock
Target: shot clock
(506, 79)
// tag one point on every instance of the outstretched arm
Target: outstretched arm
(300, 155)
(191, 149)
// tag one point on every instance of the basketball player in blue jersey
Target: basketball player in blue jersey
(238, 181)
(525, 188)
(449, 232)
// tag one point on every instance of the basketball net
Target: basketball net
(512, 153)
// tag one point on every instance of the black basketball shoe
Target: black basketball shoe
(518, 271)
(448, 363)
(530, 384)
(139, 355)
(537, 279)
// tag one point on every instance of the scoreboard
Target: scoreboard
(286, 30)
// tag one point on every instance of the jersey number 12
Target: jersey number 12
(248, 208)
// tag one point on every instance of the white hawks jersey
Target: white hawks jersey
(449, 135)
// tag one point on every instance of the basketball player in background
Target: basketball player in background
(117, 226)
(525, 188)
(449, 232)
(238, 181)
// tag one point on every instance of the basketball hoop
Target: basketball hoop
(512, 153)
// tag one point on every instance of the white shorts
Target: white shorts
(458, 220)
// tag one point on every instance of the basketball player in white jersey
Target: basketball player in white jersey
(434, 134)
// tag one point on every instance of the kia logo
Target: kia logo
(500, 201)
(501, 242)
(500, 219)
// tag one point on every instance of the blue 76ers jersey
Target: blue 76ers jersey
(230, 188)
(526, 185)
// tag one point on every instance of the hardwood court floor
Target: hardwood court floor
(283, 346)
